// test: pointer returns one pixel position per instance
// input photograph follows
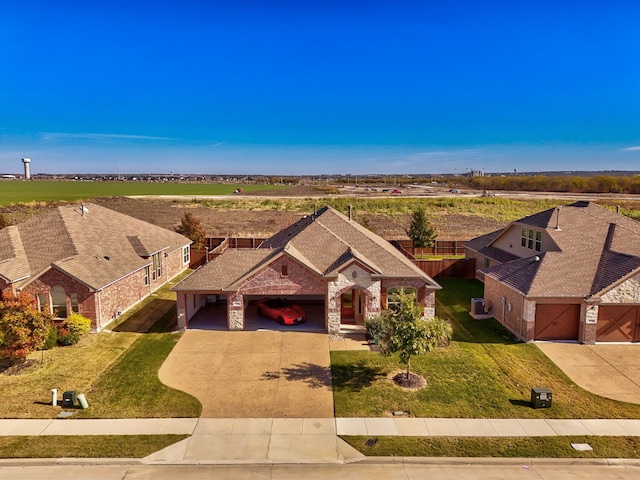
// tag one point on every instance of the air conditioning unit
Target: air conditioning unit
(477, 306)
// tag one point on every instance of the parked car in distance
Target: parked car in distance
(281, 310)
(396, 191)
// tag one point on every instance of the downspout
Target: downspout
(99, 308)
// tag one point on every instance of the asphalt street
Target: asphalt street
(468, 469)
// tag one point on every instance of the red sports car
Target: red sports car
(281, 310)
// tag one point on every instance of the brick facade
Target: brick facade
(510, 311)
(298, 280)
(481, 262)
(103, 306)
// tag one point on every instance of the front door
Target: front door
(347, 310)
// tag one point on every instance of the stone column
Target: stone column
(235, 312)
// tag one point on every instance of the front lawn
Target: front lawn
(117, 370)
(86, 446)
(507, 447)
(484, 373)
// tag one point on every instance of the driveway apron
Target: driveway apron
(258, 374)
(608, 370)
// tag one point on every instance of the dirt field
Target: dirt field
(224, 222)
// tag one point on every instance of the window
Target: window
(43, 303)
(531, 239)
(186, 255)
(285, 270)
(73, 299)
(58, 302)
(392, 292)
(156, 271)
(146, 275)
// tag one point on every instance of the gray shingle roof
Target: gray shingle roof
(597, 248)
(322, 242)
(93, 246)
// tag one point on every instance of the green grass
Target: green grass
(508, 447)
(94, 446)
(14, 192)
(131, 387)
(484, 373)
(116, 370)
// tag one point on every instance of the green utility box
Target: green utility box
(541, 397)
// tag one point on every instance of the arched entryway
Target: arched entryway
(353, 303)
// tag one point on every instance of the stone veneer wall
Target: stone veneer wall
(626, 292)
(235, 312)
(354, 276)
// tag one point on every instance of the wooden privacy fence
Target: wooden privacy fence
(441, 247)
(448, 267)
(445, 268)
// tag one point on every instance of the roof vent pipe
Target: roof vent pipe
(350, 212)
(558, 218)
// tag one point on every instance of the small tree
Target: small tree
(408, 333)
(23, 328)
(191, 228)
(421, 233)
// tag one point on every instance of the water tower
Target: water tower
(27, 171)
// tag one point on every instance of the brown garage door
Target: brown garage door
(557, 322)
(618, 323)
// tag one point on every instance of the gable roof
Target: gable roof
(596, 249)
(89, 243)
(325, 243)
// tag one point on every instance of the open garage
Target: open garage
(335, 269)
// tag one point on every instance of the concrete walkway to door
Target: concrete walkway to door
(608, 370)
(257, 374)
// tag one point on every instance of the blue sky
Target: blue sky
(311, 87)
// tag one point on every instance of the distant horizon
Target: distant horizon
(326, 174)
(276, 87)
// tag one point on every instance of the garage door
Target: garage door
(618, 323)
(557, 322)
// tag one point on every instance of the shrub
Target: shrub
(74, 326)
(375, 327)
(51, 339)
(442, 330)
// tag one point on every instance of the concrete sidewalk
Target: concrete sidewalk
(302, 440)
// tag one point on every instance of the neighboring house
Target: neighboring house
(325, 258)
(568, 273)
(89, 259)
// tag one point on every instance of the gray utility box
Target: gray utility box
(541, 397)
(477, 306)
(69, 399)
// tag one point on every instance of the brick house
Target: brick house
(89, 259)
(326, 259)
(567, 273)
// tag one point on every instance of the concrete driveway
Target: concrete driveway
(608, 370)
(253, 374)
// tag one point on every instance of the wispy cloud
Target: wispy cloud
(99, 137)
(630, 149)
